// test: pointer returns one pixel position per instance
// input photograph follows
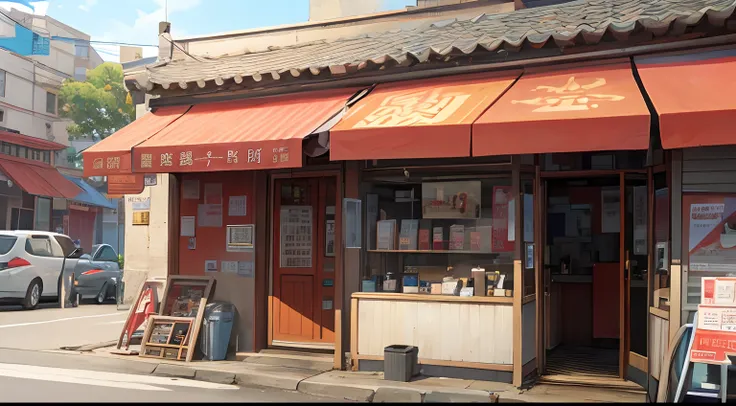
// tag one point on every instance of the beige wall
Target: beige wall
(328, 9)
(260, 40)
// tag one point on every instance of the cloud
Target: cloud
(39, 7)
(143, 30)
(87, 5)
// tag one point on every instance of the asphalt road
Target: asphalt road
(33, 376)
(50, 328)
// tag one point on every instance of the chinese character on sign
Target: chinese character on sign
(232, 157)
(167, 159)
(284, 154)
(146, 160)
(113, 162)
(208, 157)
(421, 107)
(97, 164)
(185, 158)
(254, 156)
(570, 97)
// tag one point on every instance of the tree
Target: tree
(98, 106)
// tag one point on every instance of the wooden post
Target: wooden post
(518, 269)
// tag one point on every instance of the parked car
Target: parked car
(97, 274)
(31, 265)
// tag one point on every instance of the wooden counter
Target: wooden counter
(450, 331)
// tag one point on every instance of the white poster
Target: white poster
(640, 220)
(230, 266)
(190, 189)
(245, 268)
(330, 238)
(188, 226)
(296, 236)
(239, 238)
(210, 215)
(237, 206)
(611, 214)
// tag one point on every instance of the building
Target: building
(568, 175)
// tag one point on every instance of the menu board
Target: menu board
(296, 236)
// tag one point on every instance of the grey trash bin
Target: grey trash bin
(216, 329)
(400, 362)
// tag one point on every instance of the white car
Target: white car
(31, 265)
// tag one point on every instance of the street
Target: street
(34, 369)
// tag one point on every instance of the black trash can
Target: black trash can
(400, 362)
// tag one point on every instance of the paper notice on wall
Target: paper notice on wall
(230, 266)
(237, 206)
(245, 268)
(213, 193)
(210, 215)
(188, 226)
(190, 189)
(296, 236)
(718, 291)
(210, 265)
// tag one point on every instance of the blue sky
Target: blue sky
(136, 21)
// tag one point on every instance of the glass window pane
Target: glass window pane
(43, 214)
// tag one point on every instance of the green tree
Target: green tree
(98, 106)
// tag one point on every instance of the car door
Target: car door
(67, 247)
(48, 260)
(106, 259)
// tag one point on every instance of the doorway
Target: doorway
(305, 237)
(595, 278)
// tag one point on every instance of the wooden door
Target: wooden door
(305, 240)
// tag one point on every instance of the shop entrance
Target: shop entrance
(595, 278)
(303, 280)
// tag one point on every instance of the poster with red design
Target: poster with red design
(710, 231)
(502, 200)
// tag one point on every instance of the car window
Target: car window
(67, 245)
(39, 246)
(678, 362)
(6, 243)
(106, 254)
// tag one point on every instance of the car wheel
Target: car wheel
(100, 299)
(33, 295)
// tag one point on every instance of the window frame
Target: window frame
(55, 105)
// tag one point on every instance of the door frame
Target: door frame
(542, 188)
(339, 289)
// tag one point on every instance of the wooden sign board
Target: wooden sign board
(169, 338)
(153, 284)
(183, 293)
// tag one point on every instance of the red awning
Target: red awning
(693, 95)
(30, 142)
(262, 133)
(37, 178)
(596, 107)
(113, 156)
(417, 119)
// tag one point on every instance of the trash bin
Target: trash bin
(400, 362)
(216, 328)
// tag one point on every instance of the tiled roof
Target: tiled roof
(583, 22)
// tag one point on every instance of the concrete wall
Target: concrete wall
(328, 9)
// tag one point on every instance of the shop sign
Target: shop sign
(710, 230)
(715, 332)
(216, 157)
(141, 210)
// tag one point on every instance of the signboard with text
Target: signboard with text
(715, 333)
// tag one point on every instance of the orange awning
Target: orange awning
(261, 133)
(112, 155)
(597, 107)
(417, 119)
(693, 95)
(38, 178)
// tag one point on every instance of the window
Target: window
(66, 243)
(6, 243)
(81, 51)
(80, 73)
(436, 227)
(39, 245)
(2, 83)
(2, 116)
(50, 103)
(106, 254)
(47, 157)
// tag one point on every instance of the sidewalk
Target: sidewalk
(310, 379)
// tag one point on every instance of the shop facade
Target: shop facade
(511, 223)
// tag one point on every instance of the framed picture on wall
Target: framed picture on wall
(239, 237)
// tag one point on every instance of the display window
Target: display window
(440, 235)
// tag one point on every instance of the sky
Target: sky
(136, 21)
